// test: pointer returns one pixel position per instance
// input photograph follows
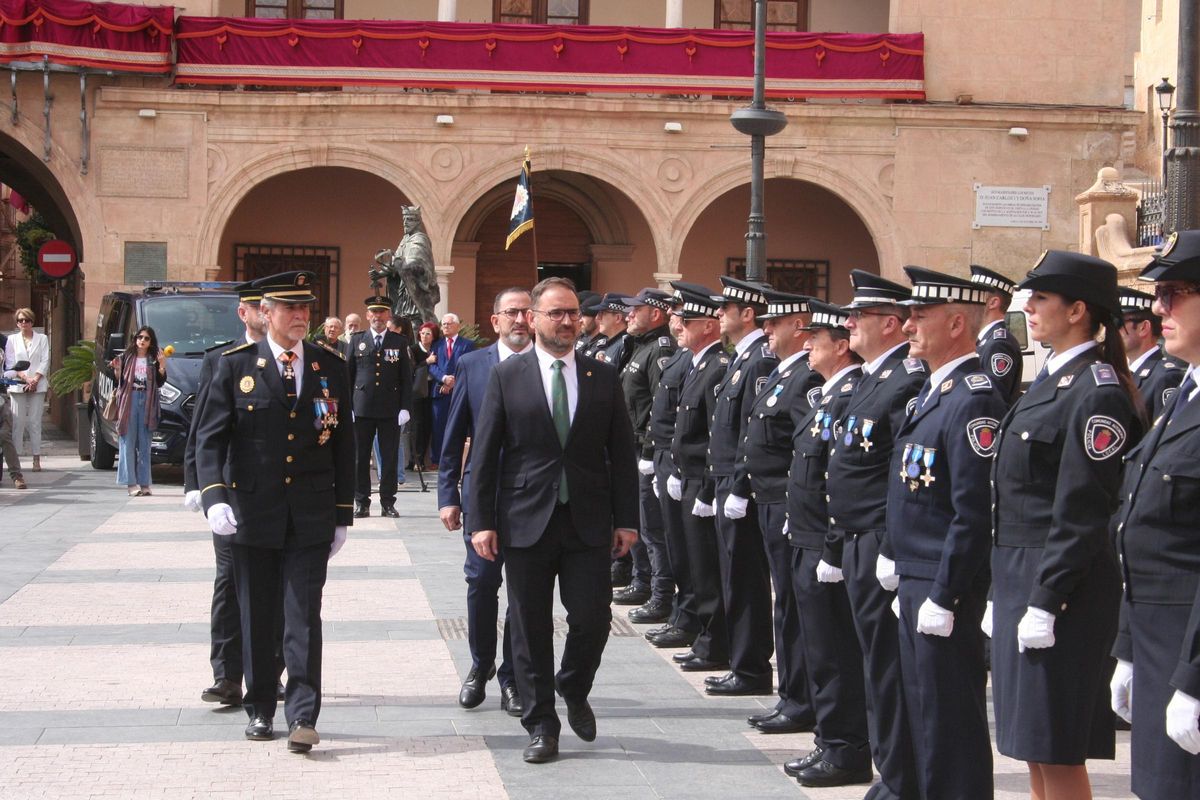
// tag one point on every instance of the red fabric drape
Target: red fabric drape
(544, 57)
(102, 35)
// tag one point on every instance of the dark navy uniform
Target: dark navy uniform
(657, 448)
(382, 380)
(615, 349)
(1157, 378)
(1000, 359)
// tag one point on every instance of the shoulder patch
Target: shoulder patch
(914, 365)
(1104, 375)
(759, 384)
(1001, 364)
(981, 434)
(1168, 394)
(664, 341)
(814, 396)
(238, 349)
(978, 382)
(766, 351)
(911, 407)
(1001, 332)
(1102, 437)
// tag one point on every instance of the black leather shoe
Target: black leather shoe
(753, 721)
(823, 773)
(260, 729)
(224, 691)
(797, 765)
(302, 736)
(659, 631)
(713, 680)
(540, 750)
(631, 596)
(686, 655)
(674, 637)
(621, 574)
(782, 723)
(697, 664)
(362, 510)
(390, 511)
(651, 611)
(474, 688)
(582, 720)
(510, 701)
(737, 686)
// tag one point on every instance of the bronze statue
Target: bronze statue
(408, 271)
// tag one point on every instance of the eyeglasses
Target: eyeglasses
(559, 314)
(141, 338)
(511, 313)
(858, 313)
(24, 321)
(1165, 294)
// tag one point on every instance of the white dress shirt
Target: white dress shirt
(504, 352)
(297, 363)
(1136, 364)
(873, 367)
(1058, 361)
(570, 376)
(750, 338)
(837, 376)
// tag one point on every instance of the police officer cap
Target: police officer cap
(378, 303)
(871, 290)
(614, 302)
(993, 280)
(745, 292)
(655, 298)
(784, 304)
(1076, 277)
(683, 286)
(587, 296)
(589, 307)
(1179, 259)
(288, 287)
(702, 304)
(248, 292)
(826, 315)
(936, 288)
(1135, 302)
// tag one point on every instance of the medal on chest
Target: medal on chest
(325, 409)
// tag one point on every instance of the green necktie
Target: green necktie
(562, 419)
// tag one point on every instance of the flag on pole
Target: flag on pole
(522, 210)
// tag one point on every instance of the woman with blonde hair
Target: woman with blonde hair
(28, 398)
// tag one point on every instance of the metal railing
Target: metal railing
(1151, 214)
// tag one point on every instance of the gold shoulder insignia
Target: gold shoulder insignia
(237, 349)
(330, 348)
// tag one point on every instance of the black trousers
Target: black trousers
(794, 699)
(225, 654)
(704, 566)
(834, 664)
(683, 615)
(584, 586)
(365, 431)
(652, 537)
(879, 638)
(746, 585)
(264, 576)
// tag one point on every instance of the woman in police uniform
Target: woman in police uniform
(1056, 586)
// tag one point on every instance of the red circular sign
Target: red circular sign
(57, 258)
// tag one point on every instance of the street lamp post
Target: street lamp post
(1183, 156)
(1165, 92)
(758, 122)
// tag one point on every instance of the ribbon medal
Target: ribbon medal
(913, 469)
(928, 478)
(904, 462)
(866, 444)
(826, 434)
(774, 398)
(849, 440)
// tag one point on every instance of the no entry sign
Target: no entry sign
(57, 259)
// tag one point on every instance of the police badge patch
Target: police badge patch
(1001, 364)
(759, 384)
(1168, 394)
(911, 407)
(814, 396)
(981, 433)
(1102, 437)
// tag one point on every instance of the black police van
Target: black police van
(191, 318)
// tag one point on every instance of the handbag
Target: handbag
(110, 410)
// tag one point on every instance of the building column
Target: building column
(447, 10)
(674, 14)
(604, 257)
(443, 281)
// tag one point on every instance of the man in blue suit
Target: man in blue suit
(449, 350)
(483, 577)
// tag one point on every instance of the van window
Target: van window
(193, 324)
(1015, 320)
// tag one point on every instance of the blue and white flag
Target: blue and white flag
(522, 210)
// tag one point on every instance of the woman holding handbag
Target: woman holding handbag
(28, 399)
(140, 370)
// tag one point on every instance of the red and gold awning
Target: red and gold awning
(100, 35)
(216, 50)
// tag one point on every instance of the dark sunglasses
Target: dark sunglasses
(1165, 294)
(142, 337)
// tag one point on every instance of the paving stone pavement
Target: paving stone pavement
(104, 651)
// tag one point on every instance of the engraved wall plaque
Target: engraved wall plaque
(143, 172)
(145, 261)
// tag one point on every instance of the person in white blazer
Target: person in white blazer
(28, 399)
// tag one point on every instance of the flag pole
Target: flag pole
(534, 231)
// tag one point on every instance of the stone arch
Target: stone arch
(49, 186)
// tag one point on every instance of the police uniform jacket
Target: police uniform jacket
(382, 378)
(639, 378)
(664, 407)
(592, 345)
(808, 511)
(765, 454)
(937, 517)
(1156, 379)
(615, 349)
(270, 459)
(861, 455)
(1000, 358)
(689, 446)
(208, 366)
(745, 375)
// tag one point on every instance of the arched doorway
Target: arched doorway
(814, 239)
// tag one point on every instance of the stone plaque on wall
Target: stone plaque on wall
(145, 261)
(143, 172)
(1011, 207)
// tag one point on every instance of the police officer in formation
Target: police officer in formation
(611, 339)
(999, 352)
(1155, 373)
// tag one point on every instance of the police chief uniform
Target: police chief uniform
(833, 659)
(1155, 373)
(859, 474)
(999, 351)
(275, 449)
(1160, 557)
(381, 374)
(1055, 480)
(745, 576)
(689, 452)
(940, 533)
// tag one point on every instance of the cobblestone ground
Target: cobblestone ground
(104, 651)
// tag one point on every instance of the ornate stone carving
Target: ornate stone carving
(674, 174)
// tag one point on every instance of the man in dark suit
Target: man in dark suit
(483, 576)
(449, 350)
(555, 486)
(381, 376)
(275, 455)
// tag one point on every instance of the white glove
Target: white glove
(1183, 721)
(654, 486)
(703, 509)
(645, 467)
(1035, 630)
(934, 620)
(896, 606)
(786, 528)
(735, 507)
(191, 501)
(403, 417)
(221, 520)
(339, 539)
(1121, 688)
(675, 488)
(885, 573)
(986, 623)
(827, 573)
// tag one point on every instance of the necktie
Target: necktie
(289, 374)
(378, 341)
(449, 348)
(1181, 397)
(562, 418)
(1041, 376)
(925, 394)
